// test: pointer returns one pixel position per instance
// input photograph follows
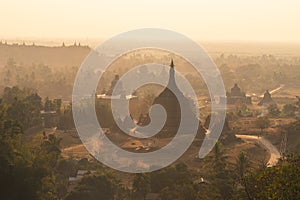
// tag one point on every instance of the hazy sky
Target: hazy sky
(258, 20)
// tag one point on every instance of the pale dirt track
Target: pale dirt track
(274, 153)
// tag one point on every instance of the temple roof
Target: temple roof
(169, 98)
(171, 86)
(236, 90)
(267, 99)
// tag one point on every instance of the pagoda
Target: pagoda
(237, 96)
(169, 98)
(267, 99)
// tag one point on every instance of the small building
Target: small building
(49, 118)
(236, 96)
(80, 174)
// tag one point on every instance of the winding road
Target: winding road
(275, 155)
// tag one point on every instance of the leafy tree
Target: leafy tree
(183, 192)
(57, 104)
(51, 149)
(22, 106)
(83, 163)
(242, 164)
(49, 105)
(293, 130)
(289, 110)
(52, 105)
(221, 175)
(273, 110)
(20, 176)
(141, 184)
(66, 121)
(174, 183)
(12, 94)
(94, 187)
(104, 114)
(279, 182)
(28, 171)
(262, 123)
(66, 167)
(169, 177)
(35, 100)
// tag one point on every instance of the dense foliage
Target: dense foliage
(37, 170)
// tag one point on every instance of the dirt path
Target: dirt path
(275, 155)
(273, 91)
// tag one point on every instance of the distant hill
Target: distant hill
(52, 56)
(73, 55)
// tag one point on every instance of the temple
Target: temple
(176, 106)
(267, 99)
(169, 101)
(169, 98)
(237, 96)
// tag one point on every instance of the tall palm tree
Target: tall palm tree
(242, 164)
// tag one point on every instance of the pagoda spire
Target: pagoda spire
(172, 64)
(172, 75)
